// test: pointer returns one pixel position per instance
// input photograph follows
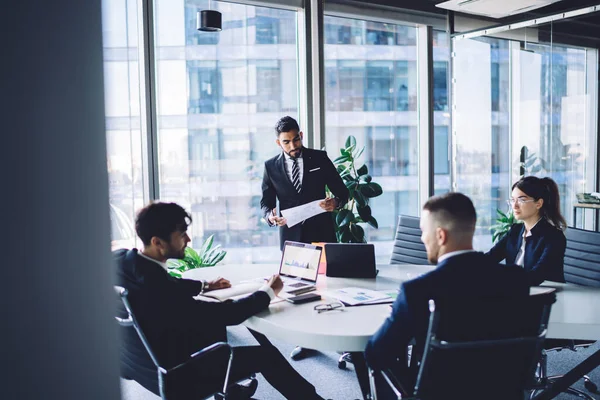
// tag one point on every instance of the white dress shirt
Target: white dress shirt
(452, 254)
(289, 162)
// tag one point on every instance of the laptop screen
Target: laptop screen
(300, 260)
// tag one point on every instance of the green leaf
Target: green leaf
(358, 232)
(364, 212)
(371, 189)
(350, 141)
(207, 244)
(341, 216)
(358, 153)
(341, 159)
(365, 178)
(361, 201)
(345, 235)
(348, 218)
(351, 184)
(373, 222)
(363, 170)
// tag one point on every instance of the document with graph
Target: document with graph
(353, 296)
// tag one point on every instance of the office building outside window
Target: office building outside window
(122, 105)
(219, 97)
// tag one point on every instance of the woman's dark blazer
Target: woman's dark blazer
(544, 251)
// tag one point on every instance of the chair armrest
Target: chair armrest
(124, 321)
(213, 348)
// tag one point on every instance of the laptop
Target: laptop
(350, 260)
(299, 267)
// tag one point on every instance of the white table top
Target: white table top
(573, 316)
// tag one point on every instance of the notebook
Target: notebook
(299, 267)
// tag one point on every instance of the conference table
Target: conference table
(574, 315)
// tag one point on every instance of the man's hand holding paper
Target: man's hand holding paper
(295, 215)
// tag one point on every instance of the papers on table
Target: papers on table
(234, 292)
(353, 296)
(295, 215)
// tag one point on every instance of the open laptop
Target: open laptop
(299, 267)
(350, 260)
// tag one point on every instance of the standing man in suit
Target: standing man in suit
(176, 325)
(298, 176)
(447, 224)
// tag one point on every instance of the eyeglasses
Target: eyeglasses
(520, 200)
(329, 307)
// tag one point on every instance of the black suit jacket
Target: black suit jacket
(544, 251)
(175, 324)
(465, 275)
(319, 172)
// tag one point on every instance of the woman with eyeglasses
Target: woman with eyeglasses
(538, 244)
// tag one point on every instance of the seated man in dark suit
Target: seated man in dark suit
(177, 325)
(448, 224)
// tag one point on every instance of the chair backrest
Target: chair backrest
(131, 317)
(408, 248)
(486, 348)
(582, 257)
(137, 360)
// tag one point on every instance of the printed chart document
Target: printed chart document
(295, 215)
(354, 296)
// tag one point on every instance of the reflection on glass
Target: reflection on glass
(537, 93)
(219, 96)
(551, 113)
(481, 118)
(371, 93)
(122, 105)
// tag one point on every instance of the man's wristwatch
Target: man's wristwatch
(204, 286)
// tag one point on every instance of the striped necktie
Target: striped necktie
(296, 175)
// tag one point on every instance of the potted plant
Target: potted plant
(208, 256)
(361, 189)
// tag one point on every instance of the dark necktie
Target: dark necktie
(296, 175)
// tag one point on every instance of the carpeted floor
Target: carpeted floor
(333, 383)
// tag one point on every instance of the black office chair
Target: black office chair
(408, 248)
(582, 267)
(470, 343)
(166, 382)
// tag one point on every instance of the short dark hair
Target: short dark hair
(286, 124)
(453, 211)
(161, 220)
(547, 190)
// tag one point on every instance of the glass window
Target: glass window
(481, 122)
(441, 112)
(535, 110)
(371, 93)
(122, 105)
(552, 109)
(213, 146)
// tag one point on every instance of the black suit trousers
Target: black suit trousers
(208, 377)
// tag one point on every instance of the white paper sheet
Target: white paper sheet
(354, 295)
(295, 215)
